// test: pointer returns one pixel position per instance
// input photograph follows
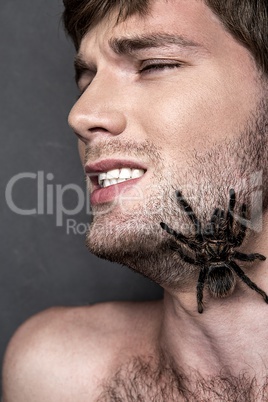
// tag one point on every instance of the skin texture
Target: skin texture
(198, 126)
(175, 121)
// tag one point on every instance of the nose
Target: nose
(98, 112)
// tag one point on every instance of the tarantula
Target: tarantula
(214, 251)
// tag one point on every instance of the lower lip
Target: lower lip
(108, 194)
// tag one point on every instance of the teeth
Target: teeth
(102, 176)
(125, 173)
(136, 173)
(116, 176)
(106, 183)
(113, 174)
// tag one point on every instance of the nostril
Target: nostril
(98, 130)
(83, 139)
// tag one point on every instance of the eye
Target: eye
(82, 86)
(81, 91)
(83, 80)
(155, 65)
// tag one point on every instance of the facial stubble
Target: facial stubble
(132, 235)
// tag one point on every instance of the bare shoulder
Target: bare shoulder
(63, 351)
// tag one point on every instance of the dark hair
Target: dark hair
(81, 15)
(246, 20)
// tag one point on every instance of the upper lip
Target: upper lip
(105, 165)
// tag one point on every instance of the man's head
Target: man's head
(166, 91)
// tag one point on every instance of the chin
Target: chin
(141, 246)
(118, 236)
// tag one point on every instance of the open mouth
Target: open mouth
(111, 177)
(116, 176)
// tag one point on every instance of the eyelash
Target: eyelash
(149, 68)
(159, 66)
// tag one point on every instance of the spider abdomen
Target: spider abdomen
(221, 281)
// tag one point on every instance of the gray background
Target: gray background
(41, 264)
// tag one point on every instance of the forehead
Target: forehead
(190, 18)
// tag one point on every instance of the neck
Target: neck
(231, 335)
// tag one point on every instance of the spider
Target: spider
(214, 248)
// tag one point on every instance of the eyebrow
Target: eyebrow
(128, 46)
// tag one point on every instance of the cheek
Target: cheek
(180, 123)
(81, 150)
(195, 117)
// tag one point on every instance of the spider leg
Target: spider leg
(240, 273)
(183, 256)
(230, 215)
(178, 236)
(213, 226)
(242, 231)
(188, 209)
(248, 257)
(200, 287)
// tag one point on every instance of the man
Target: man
(173, 98)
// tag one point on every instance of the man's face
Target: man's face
(174, 97)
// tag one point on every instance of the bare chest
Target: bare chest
(144, 381)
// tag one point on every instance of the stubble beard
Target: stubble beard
(133, 236)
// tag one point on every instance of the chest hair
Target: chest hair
(144, 380)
